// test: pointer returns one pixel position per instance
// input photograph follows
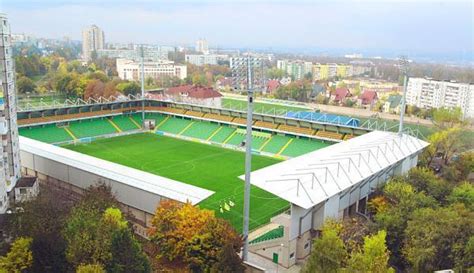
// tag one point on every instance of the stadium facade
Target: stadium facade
(10, 159)
(325, 181)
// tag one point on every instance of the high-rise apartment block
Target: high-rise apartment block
(429, 93)
(93, 39)
(296, 69)
(202, 46)
(9, 151)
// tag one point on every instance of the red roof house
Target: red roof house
(369, 97)
(341, 94)
(194, 94)
(272, 85)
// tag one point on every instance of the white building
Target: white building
(131, 70)
(201, 60)
(202, 46)
(93, 39)
(10, 159)
(150, 54)
(429, 93)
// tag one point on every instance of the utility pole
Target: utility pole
(142, 55)
(248, 159)
(403, 62)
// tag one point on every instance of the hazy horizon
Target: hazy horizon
(442, 28)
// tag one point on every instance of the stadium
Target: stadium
(306, 166)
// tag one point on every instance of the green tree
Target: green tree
(447, 117)
(90, 268)
(328, 253)
(373, 258)
(131, 88)
(403, 200)
(228, 261)
(43, 219)
(19, 257)
(25, 85)
(275, 73)
(424, 180)
(464, 194)
(437, 238)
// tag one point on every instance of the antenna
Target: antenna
(403, 65)
(142, 57)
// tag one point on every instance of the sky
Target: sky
(416, 26)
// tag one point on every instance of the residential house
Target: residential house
(272, 86)
(392, 105)
(195, 94)
(26, 188)
(341, 95)
(368, 99)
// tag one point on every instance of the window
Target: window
(306, 245)
(22, 191)
(292, 255)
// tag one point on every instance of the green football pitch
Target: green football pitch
(206, 166)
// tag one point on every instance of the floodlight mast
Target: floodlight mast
(403, 63)
(142, 79)
(248, 158)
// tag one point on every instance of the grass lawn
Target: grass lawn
(202, 165)
(260, 107)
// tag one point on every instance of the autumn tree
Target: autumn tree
(190, 235)
(328, 253)
(25, 85)
(94, 89)
(447, 117)
(18, 258)
(444, 143)
(373, 257)
(90, 268)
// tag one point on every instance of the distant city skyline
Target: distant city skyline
(443, 28)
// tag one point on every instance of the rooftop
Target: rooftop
(312, 178)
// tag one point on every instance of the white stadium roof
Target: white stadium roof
(162, 186)
(312, 178)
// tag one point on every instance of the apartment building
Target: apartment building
(202, 59)
(202, 46)
(331, 70)
(93, 39)
(131, 70)
(430, 93)
(10, 159)
(295, 68)
(150, 54)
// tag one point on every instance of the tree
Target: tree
(464, 194)
(328, 253)
(447, 117)
(437, 238)
(228, 261)
(424, 180)
(127, 254)
(403, 200)
(187, 234)
(25, 85)
(90, 268)
(275, 73)
(94, 89)
(88, 229)
(444, 144)
(131, 88)
(43, 219)
(373, 258)
(19, 257)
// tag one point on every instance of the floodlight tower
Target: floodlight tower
(403, 63)
(142, 79)
(248, 158)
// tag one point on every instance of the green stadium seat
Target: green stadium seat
(49, 133)
(174, 125)
(201, 130)
(91, 128)
(124, 123)
(236, 139)
(223, 134)
(276, 143)
(301, 146)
